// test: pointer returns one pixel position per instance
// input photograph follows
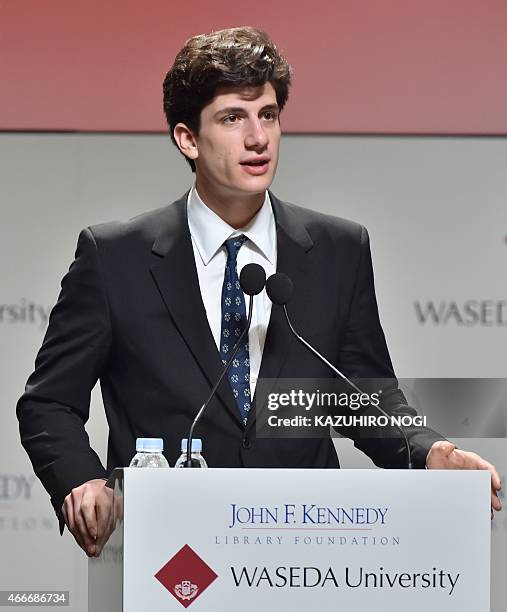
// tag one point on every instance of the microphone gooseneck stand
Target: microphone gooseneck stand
(279, 288)
(252, 280)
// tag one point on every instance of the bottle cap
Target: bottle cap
(153, 445)
(196, 445)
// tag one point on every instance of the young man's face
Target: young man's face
(238, 141)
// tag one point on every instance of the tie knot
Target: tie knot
(233, 245)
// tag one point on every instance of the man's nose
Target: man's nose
(256, 136)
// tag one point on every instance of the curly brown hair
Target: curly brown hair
(242, 57)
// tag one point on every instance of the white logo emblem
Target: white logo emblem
(186, 590)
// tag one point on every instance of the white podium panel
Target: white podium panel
(272, 540)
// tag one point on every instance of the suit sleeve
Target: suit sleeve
(55, 406)
(364, 355)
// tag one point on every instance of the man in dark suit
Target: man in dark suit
(145, 309)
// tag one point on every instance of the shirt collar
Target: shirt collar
(209, 231)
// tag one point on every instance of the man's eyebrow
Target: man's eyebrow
(231, 110)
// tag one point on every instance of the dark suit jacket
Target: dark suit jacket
(130, 313)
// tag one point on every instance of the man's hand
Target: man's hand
(444, 455)
(88, 513)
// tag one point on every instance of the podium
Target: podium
(294, 539)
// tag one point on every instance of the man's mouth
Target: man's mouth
(255, 162)
(256, 166)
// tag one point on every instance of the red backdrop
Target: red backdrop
(394, 66)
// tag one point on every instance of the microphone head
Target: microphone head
(279, 288)
(252, 279)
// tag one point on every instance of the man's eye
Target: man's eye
(270, 115)
(230, 119)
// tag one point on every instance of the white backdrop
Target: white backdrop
(437, 216)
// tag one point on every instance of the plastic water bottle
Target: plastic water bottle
(149, 453)
(197, 458)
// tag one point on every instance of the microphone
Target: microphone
(280, 289)
(252, 280)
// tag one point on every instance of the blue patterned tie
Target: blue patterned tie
(233, 323)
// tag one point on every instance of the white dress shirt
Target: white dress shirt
(209, 232)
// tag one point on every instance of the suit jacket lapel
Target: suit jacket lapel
(293, 244)
(176, 277)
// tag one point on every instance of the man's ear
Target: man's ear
(185, 140)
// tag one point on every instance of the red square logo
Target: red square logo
(186, 576)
